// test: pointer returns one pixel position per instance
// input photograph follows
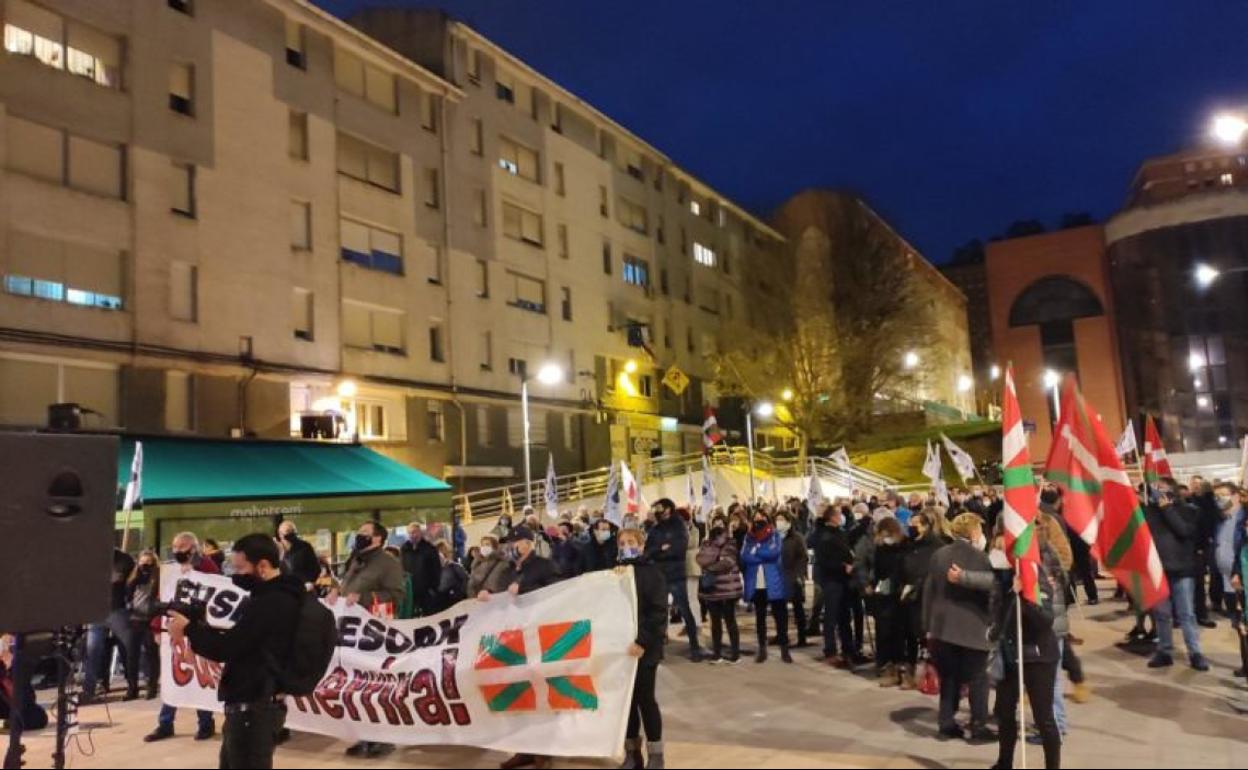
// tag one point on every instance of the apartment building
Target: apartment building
(221, 218)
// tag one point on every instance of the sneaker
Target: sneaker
(950, 731)
(159, 734)
(980, 735)
(732, 660)
(1199, 662)
(379, 750)
(204, 733)
(357, 749)
(697, 656)
(1093, 602)
(1161, 660)
(1207, 623)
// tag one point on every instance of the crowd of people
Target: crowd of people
(920, 592)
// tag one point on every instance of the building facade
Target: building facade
(226, 218)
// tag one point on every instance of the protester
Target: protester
(422, 568)
(720, 589)
(117, 624)
(1207, 587)
(765, 584)
(187, 558)
(489, 570)
(796, 561)
(644, 711)
(143, 588)
(1051, 537)
(927, 531)
(601, 552)
(1174, 528)
(212, 549)
(298, 556)
(692, 571)
(957, 617)
(564, 553)
(834, 562)
(883, 586)
(453, 582)
(1228, 541)
(665, 546)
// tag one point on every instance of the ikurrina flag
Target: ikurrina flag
(1156, 464)
(1099, 502)
(1019, 512)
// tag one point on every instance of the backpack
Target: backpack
(312, 648)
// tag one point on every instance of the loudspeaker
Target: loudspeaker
(58, 501)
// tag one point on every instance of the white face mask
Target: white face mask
(980, 542)
(783, 527)
(999, 559)
(486, 550)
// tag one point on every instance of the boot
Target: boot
(632, 756)
(654, 755)
(888, 675)
(907, 678)
(1081, 692)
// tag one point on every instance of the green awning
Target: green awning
(190, 470)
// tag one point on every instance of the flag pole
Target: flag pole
(1022, 691)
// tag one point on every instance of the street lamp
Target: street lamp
(765, 409)
(549, 374)
(1206, 275)
(994, 373)
(787, 394)
(965, 383)
(910, 359)
(1229, 129)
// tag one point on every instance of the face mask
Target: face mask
(629, 553)
(889, 541)
(246, 582)
(602, 535)
(504, 523)
(363, 542)
(980, 543)
(759, 526)
(486, 550)
(182, 557)
(1226, 503)
(999, 559)
(289, 537)
(783, 527)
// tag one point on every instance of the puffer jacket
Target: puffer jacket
(489, 573)
(1051, 560)
(722, 560)
(763, 553)
(795, 560)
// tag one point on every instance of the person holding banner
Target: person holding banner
(601, 552)
(648, 649)
(489, 570)
(263, 633)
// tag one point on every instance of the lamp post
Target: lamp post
(765, 409)
(1206, 275)
(549, 374)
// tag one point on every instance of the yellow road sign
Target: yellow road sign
(676, 380)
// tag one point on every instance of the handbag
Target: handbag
(706, 583)
(929, 682)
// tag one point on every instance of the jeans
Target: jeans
(1180, 605)
(958, 666)
(798, 600)
(1059, 701)
(679, 592)
(98, 662)
(168, 713)
(779, 610)
(644, 710)
(1038, 679)
(836, 597)
(1071, 662)
(248, 738)
(724, 613)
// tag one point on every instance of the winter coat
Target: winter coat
(376, 576)
(489, 573)
(566, 558)
(1053, 567)
(885, 576)
(1174, 530)
(533, 573)
(795, 560)
(665, 546)
(1040, 641)
(724, 562)
(452, 586)
(423, 565)
(959, 614)
(832, 553)
(763, 555)
(651, 609)
(598, 556)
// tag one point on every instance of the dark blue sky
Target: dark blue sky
(953, 117)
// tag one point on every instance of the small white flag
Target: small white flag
(814, 495)
(931, 465)
(552, 489)
(633, 502)
(1126, 442)
(690, 495)
(134, 487)
(962, 461)
(841, 458)
(708, 487)
(940, 490)
(611, 508)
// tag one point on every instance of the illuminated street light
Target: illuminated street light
(787, 394)
(1229, 129)
(765, 409)
(1206, 275)
(911, 359)
(1195, 361)
(347, 389)
(1051, 379)
(550, 374)
(630, 366)
(965, 383)
(994, 373)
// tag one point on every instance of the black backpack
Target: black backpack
(312, 648)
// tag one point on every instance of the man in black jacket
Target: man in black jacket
(263, 634)
(423, 568)
(298, 556)
(666, 546)
(1174, 529)
(1207, 585)
(834, 562)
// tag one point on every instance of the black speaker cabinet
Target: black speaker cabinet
(58, 500)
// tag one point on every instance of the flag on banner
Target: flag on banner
(814, 495)
(633, 501)
(710, 430)
(552, 489)
(134, 487)
(690, 495)
(1155, 463)
(841, 458)
(708, 488)
(962, 461)
(1019, 513)
(611, 508)
(1126, 442)
(940, 490)
(931, 465)
(1099, 501)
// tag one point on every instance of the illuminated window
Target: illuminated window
(703, 255)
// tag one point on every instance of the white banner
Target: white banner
(546, 673)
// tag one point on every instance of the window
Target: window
(476, 140)
(36, 149)
(645, 386)
(62, 44)
(485, 351)
(689, 339)
(606, 257)
(561, 236)
(663, 286)
(65, 159)
(433, 192)
(483, 278)
(373, 85)
(695, 207)
(1227, 180)
(603, 207)
(684, 240)
(505, 88)
(296, 50)
(183, 291)
(483, 426)
(95, 167)
(560, 184)
(569, 430)
(435, 266)
(703, 255)
(518, 367)
(182, 6)
(182, 190)
(437, 353)
(636, 271)
(371, 247)
(367, 162)
(527, 293)
(515, 418)
(375, 328)
(436, 420)
(658, 231)
(633, 216)
(518, 160)
(522, 224)
(301, 313)
(62, 271)
(181, 88)
(566, 302)
(298, 135)
(300, 225)
(537, 427)
(479, 214)
(429, 111)
(721, 215)
(474, 66)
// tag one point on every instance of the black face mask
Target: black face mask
(759, 526)
(363, 542)
(145, 574)
(246, 582)
(290, 537)
(182, 557)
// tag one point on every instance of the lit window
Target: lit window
(1228, 180)
(636, 271)
(518, 160)
(703, 255)
(695, 207)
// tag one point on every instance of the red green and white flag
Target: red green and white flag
(1073, 465)
(1019, 513)
(1156, 464)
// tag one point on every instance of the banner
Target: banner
(545, 673)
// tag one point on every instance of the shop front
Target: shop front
(224, 489)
